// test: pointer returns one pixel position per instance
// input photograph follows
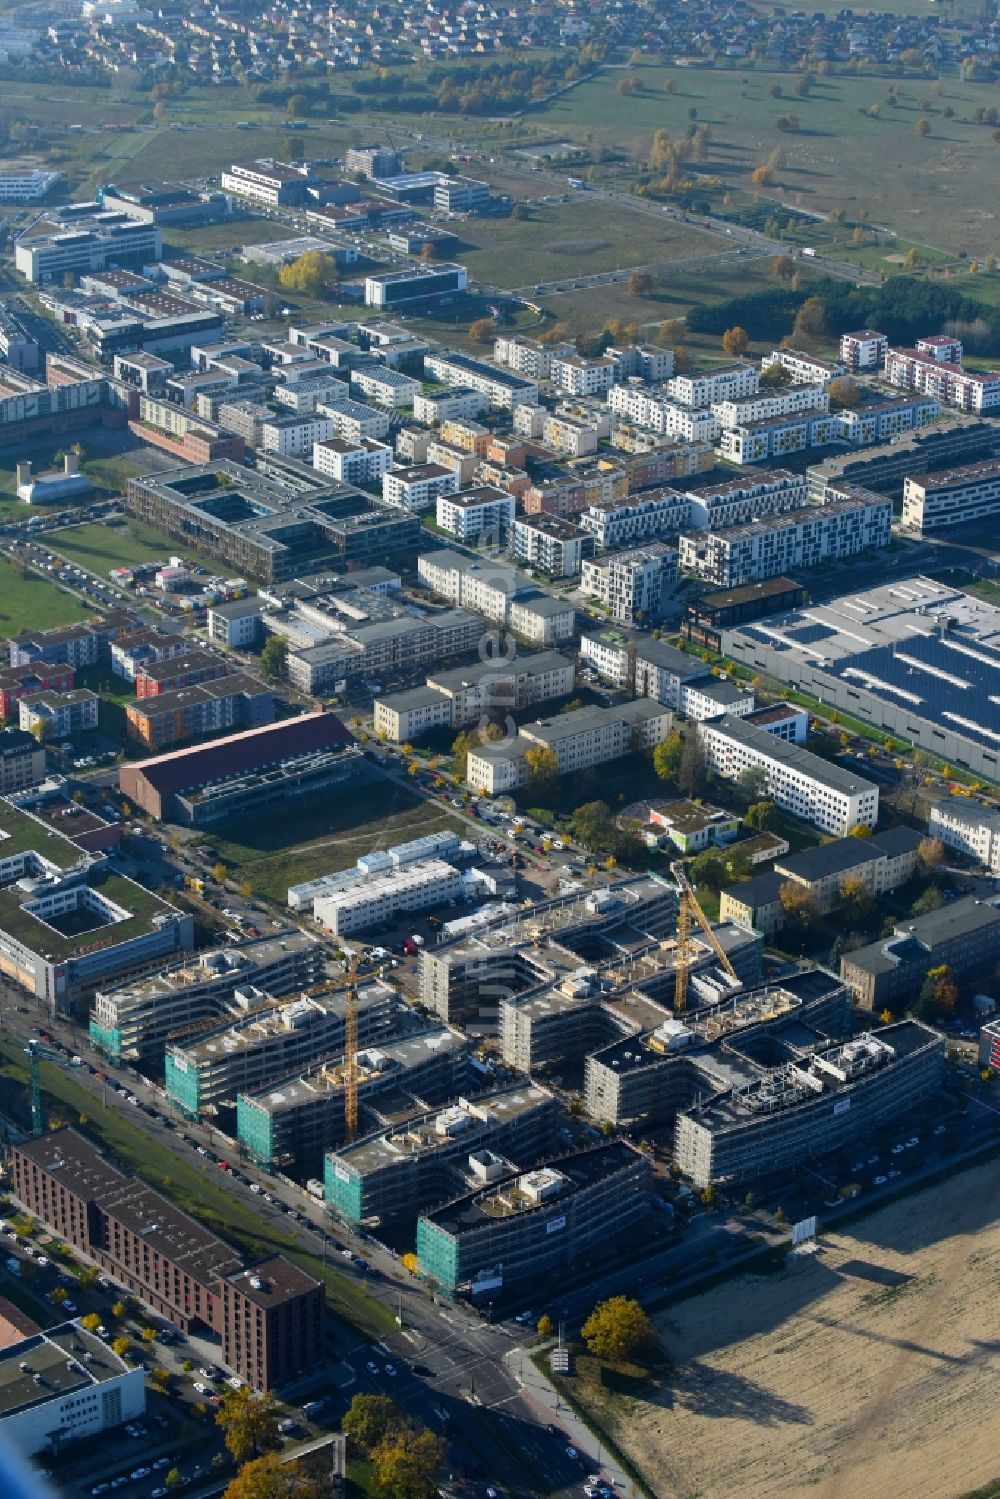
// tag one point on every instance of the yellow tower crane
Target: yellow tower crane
(351, 1055)
(687, 906)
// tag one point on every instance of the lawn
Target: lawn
(573, 239)
(101, 548)
(196, 1191)
(276, 852)
(934, 190)
(29, 601)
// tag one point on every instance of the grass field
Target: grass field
(934, 190)
(195, 1190)
(29, 601)
(280, 851)
(103, 547)
(869, 1368)
(572, 239)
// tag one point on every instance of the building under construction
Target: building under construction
(133, 1022)
(793, 1094)
(651, 1077)
(291, 1123)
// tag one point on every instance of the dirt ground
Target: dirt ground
(867, 1370)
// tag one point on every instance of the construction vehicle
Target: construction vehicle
(351, 1054)
(687, 906)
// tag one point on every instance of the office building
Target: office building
(461, 195)
(394, 1175)
(274, 184)
(380, 900)
(822, 1099)
(951, 497)
(881, 863)
(537, 1228)
(61, 1386)
(917, 660)
(463, 694)
(706, 618)
(579, 739)
(419, 287)
(84, 244)
(828, 795)
(857, 520)
(166, 1258)
(963, 935)
(67, 923)
(969, 827)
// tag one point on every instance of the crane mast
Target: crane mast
(351, 1055)
(687, 906)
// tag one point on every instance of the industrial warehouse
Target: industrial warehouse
(916, 658)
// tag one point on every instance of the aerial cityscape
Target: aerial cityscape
(499, 750)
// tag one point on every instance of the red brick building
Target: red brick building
(17, 682)
(154, 677)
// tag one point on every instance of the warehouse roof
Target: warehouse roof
(241, 752)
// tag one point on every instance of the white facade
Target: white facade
(501, 388)
(778, 437)
(758, 408)
(655, 410)
(933, 502)
(526, 356)
(445, 405)
(786, 543)
(805, 369)
(973, 830)
(78, 1399)
(881, 421)
(642, 517)
(385, 387)
(237, 630)
(402, 716)
(295, 436)
(418, 488)
(25, 184)
(353, 420)
(363, 463)
(480, 511)
(948, 383)
(584, 737)
(704, 387)
(585, 377)
(550, 543)
(829, 797)
(630, 585)
(740, 501)
(416, 887)
(74, 252)
(863, 350)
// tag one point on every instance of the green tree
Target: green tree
(406, 1464)
(368, 1420)
(618, 1329)
(709, 868)
(761, 816)
(930, 899)
(667, 757)
(249, 1424)
(309, 275)
(274, 658)
(752, 782)
(542, 765)
(593, 825)
(692, 773)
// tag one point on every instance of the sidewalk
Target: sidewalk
(544, 1398)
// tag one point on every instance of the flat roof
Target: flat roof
(64, 1360)
(825, 771)
(272, 1282)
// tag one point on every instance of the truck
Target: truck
(577, 182)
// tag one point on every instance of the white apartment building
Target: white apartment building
(354, 420)
(59, 715)
(706, 387)
(462, 404)
(502, 388)
(540, 619)
(585, 377)
(363, 463)
(235, 624)
(711, 697)
(483, 584)
(631, 585)
(649, 362)
(761, 407)
(415, 887)
(858, 520)
(863, 350)
(805, 369)
(551, 543)
(957, 497)
(385, 387)
(968, 827)
(585, 737)
(473, 514)
(294, 435)
(642, 517)
(779, 436)
(742, 500)
(881, 421)
(418, 488)
(653, 409)
(829, 796)
(463, 694)
(526, 356)
(915, 369)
